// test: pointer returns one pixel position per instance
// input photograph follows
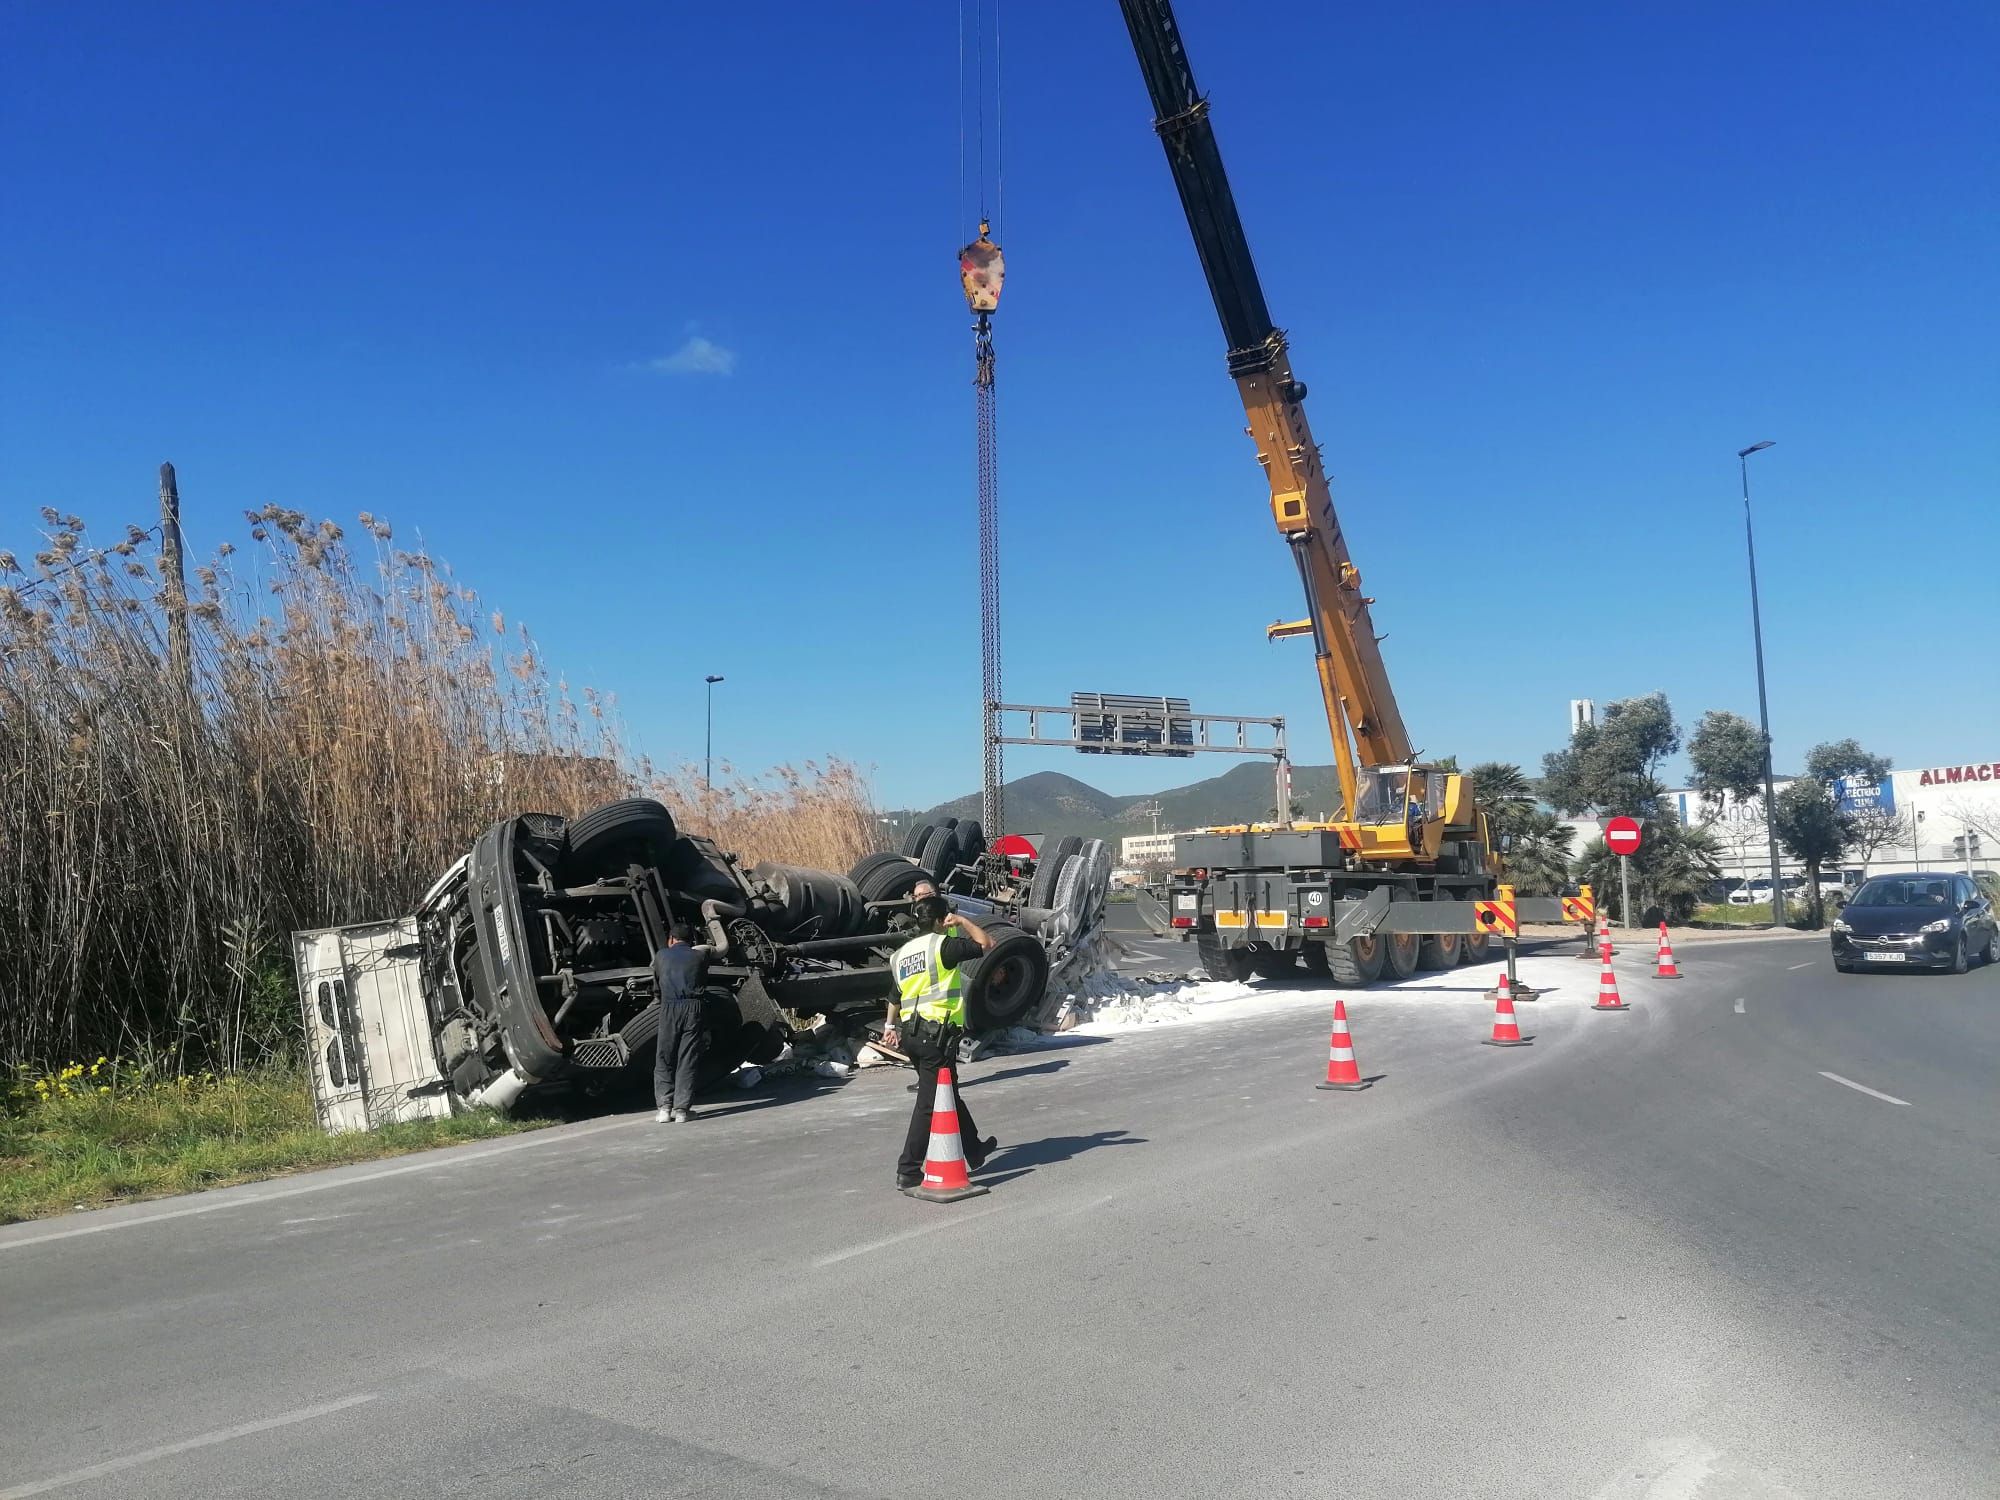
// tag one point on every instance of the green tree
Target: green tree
(1812, 826)
(1613, 767)
(1726, 755)
(1828, 762)
(1537, 861)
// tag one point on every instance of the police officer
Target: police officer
(926, 1021)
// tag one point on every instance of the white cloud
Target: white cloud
(698, 356)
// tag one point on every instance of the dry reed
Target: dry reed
(353, 721)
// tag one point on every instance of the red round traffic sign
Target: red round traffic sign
(1621, 835)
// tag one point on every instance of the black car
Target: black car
(1927, 921)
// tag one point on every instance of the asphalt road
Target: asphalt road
(1660, 1253)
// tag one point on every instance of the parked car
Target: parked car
(1934, 921)
(1751, 893)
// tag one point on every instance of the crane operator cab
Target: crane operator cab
(1404, 812)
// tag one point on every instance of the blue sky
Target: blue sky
(645, 317)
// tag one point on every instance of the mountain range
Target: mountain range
(1049, 802)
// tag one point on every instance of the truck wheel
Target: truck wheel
(1357, 962)
(869, 863)
(1007, 981)
(1400, 952)
(940, 855)
(1275, 964)
(913, 841)
(971, 841)
(607, 839)
(1042, 889)
(1472, 947)
(891, 882)
(1441, 951)
(1223, 963)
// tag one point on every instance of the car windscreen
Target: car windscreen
(1914, 891)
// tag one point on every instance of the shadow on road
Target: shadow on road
(1017, 1160)
(1054, 1066)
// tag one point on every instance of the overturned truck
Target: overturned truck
(530, 960)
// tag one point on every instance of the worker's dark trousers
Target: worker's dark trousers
(679, 1054)
(916, 1145)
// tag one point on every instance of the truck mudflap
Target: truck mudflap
(368, 1032)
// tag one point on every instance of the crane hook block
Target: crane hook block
(980, 270)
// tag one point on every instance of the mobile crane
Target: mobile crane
(1388, 885)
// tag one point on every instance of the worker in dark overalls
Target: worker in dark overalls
(679, 969)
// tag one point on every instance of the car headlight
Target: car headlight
(1942, 924)
(1840, 926)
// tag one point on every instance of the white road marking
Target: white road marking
(1859, 1087)
(168, 1450)
(448, 1159)
(895, 1239)
(1739, 1005)
(1792, 968)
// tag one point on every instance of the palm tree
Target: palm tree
(1537, 860)
(1673, 867)
(1504, 793)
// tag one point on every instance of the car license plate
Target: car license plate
(1886, 958)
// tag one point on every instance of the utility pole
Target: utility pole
(1763, 708)
(180, 657)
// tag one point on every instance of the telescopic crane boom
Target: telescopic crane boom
(1361, 713)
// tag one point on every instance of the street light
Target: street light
(708, 757)
(1763, 708)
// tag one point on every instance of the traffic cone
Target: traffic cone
(945, 1177)
(1608, 997)
(1520, 993)
(1506, 1031)
(1604, 933)
(1341, 1070)
(1666, 969)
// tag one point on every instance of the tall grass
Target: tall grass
(355, 717)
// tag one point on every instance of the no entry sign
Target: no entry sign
(1621, 835)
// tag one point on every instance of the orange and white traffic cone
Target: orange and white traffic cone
(1604, 935)
(1666, 969)
(1608, 997)
(1342, 1072)
(945, 1178)
(1506, 1030)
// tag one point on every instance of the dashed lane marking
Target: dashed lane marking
(168, 1450)
(1863, 1088)
(1739, 1005)
(1793, 968)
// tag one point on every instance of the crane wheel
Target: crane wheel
(1400, 951)
(1357, 962)
(1472, 947)
(1441, 951)
(1218, 962)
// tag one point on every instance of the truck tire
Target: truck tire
(971, 841)
(636, 830)
(1472, 947)
(913, 841)
(1357, 962)
(1274, 964)
(1042, 889)
(940, 854)
(1006, 982)
(868, 863)
(1218, 962)
(1440, 951)
(1400, 952)
(892, 882)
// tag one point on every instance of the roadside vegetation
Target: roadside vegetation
(89, 1134)
(1722, 914)
(344, 719)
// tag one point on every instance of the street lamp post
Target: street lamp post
(1763, 708)
(708, 755)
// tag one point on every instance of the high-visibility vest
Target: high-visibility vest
(926, 988)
